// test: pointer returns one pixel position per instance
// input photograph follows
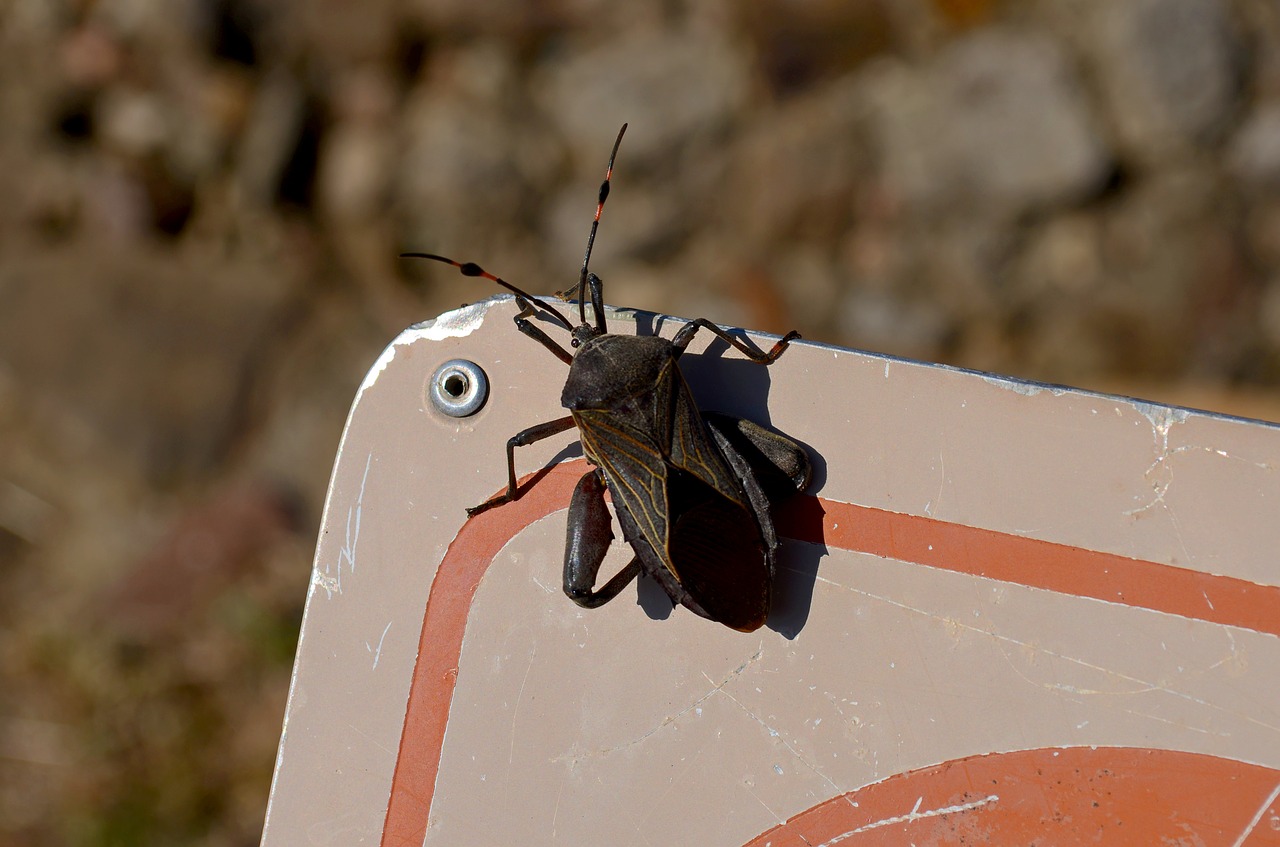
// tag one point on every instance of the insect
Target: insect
(692, 490)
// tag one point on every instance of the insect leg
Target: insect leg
(530, 329)
(686, 333)
(594, 285)
(780, 465)
(521, 439)
(587, 541)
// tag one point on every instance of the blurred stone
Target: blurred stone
(355, 163)
(879, 320)
(1063, 256)
(24, 514)
(226, 96)
(811, 286)
(801, 43)
(133, 121)
(310, 390)
(357, 154)
(670, 86)
(500, 17)
(90, 56)
(1262, 40)
(459, 182)
(114, 202)
(1262, 231)
(365, 94)
(1158, 243)
(998, 122)
(1254, 154)
(329, 34)
(717, 279)
(1169, 71)
(1066, 339)
(153, 353)
(209, 547)
(275, 119)
(963, 14)
(795, 168)
(958, 265)
(1269, 313)
(872, 251)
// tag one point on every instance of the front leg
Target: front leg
(530, 329)
(521, 439)
(587, 542)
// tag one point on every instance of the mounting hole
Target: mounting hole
(458, 388)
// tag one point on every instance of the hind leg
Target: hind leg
(587, 541)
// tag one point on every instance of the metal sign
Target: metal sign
(1003, 611)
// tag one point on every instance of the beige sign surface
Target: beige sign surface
(1002, 610)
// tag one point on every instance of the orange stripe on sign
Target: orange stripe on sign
(1034, 563)
(431, 689)
(907, 538)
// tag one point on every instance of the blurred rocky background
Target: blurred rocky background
(201, 203)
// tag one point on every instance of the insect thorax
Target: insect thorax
(610, 370)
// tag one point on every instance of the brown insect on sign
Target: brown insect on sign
(692, 490)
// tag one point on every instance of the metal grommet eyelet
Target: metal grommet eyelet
(458, 388)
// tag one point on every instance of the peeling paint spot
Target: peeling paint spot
(1026, 389)
(1161, 417)
(458, 323)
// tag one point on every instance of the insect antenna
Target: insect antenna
(581, 287)
(472, 269)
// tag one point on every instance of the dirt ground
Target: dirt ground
(202, 203)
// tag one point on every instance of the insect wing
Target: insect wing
(722, 553)
(681, 504)
(719, 554)
(690, 443)
(636, 472)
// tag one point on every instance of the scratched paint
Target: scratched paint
(1062, 679)
(626, 725)
(327, 574)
